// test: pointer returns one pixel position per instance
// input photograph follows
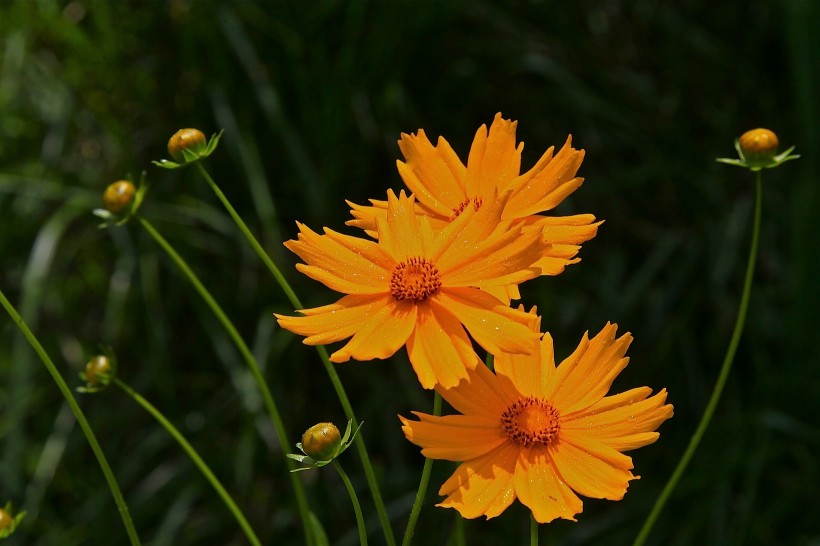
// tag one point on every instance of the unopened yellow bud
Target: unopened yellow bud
(186, 139)
(97, 367)
(321, 441)
(118, 196)
(5, 519)
(759, 145)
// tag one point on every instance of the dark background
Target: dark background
(312, 97)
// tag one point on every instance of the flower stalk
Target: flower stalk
(355, 500)
(194, 455)
(247, 355)
(725, 369)
(422, 489)
(361, 448)
(80, 416)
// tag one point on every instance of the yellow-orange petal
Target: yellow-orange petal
(381, 333)
(364, 217)
(505, 259)
(529, 374)
(435, 175)
(505, 294)
(399, 232)
(591, 468)
(547, 184)
(615, 401)
(479, 394)
(454, 437)
(585, 377)
(552, 266)
(567, 230)
(329, 323)
(346, 264)
(623, 424)
(439, 349)
(540, 488)
(472, 226)
(483, 486)
(496, 327)
(494, 159)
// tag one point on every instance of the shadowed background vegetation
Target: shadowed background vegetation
(312, 97)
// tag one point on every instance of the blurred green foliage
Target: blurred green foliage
(312, 97)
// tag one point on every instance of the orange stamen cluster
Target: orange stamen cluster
(415, 279)
(531, 422)
(476, 201)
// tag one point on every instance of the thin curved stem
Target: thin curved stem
(253, 365)
(355, 500)
(422, 490)
(370, 474)
(78, 413)
(722, 377)
(280, 279)
(533, 531)
(192, 453)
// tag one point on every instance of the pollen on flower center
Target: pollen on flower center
(531, 422)
(476, 201)
(415, 279)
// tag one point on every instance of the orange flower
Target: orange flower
(539, 433)
(422, 288)
(444, 187)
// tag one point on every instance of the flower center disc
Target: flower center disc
(476, 201)
(415, 279)
(531, 422)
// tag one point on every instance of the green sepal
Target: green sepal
(757, 165)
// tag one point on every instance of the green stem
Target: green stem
(355, 500)
(370, 474)
(289, 293)
(533, 531)
(459, 532)
(422, 490)
(722, 377)
(192, 453)
(247, 355)
(78, 413)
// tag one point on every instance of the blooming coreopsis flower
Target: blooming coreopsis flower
(422, 288)
(444, 188)
(539, 433)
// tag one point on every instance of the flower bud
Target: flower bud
(321, 441)
(759, 145)
(5, 519)
(118, 196)
(98, 371)
(187, 139)
(9, 521)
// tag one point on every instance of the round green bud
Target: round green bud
(95, 368)
(118, 196)
(321, 441)
(186, 139)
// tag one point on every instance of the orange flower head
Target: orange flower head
(541, 433)
(444, 188)
(421, 288)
